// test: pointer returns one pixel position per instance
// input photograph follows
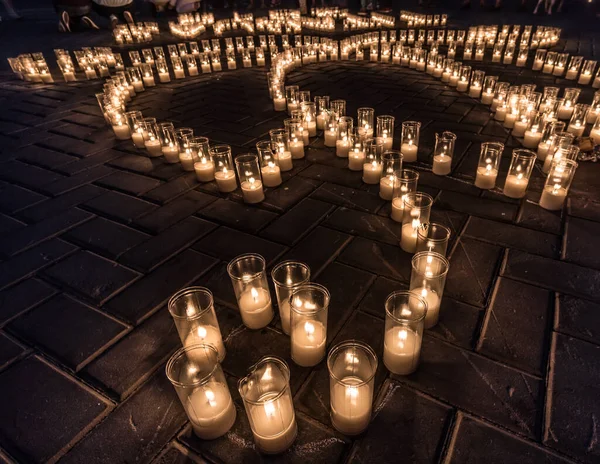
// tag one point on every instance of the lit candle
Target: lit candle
(462, 85)
(486, 177)
(356, 159)
(153, 146)
(187, 160)
(516, 186)
(475, 91)
(252, 192)
(214, 411)
(311, 126)
(179, 73)
(519, 128)
(171, 153)
(585, 78)
(148, 80)
(572, 74)
(321, 120)
(532, 138)
(206, 335)
(342, 147)
(330, 136)
(279, 103)
(296, 148)
(205, 170)
(372, 172)
(351, 404)
(121, 131)
(433, 304)
(271, 175)
(565, 111)
(442, 164)
(553, 197)
(487, 97)
(269, 421)
(576, 129)
(595, 136)
(163, 75)
(225, 180)
(255, 307)
(401, 350)
(409, 234)
(510, 118)
(409, 151)
(308, 343)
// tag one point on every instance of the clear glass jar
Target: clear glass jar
(321, 109)
(345, 126)
(281, 148)
(443, 153)
(170, 146)
(366, 120)
(269, 167)
(391, 162)
(489, 163)
(287, 276)
(203, 163)
(427, 280)
(224, 170)
(406, 182)
(519, 172)
(385, 131)
(559, 145)
(417, 209)
(372, 167)
(433, 237)
(557, 184)
(248, 170)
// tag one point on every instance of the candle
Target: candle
(311, 127)
(537, 65)
(553, 197)
(409, 236)
(515, 186)
(592, 115)
(521, 61)
(372, 172)
(252, 192)
(446, 76)
(501, 113)
(542, 152)
(284, 158)
(268, 421)
(260, 61)
(216, 65)
(585, 78)
(565, 111)
(475, 91)
(462, 86)
(559, 70)
(487, 97)
(453, 81)
(121, 131)
(420, 65)
(138, 85)
(225, 180)
(90, 73)
(148, 80)
(279, 103)
(356, 159)
(548, 68)
(486, 177)
(342, 147)
(179, 73)
(205, 335)
(442, 164)
(214, 411)
(321, 120)
(576, 129)
(532, 138)
(193, 70)
(351, 404)
(138, 138)
(153, 146)
(519, 128)
(409, 151)
(510, 119)
(171, 153)
(271, 175)
(479, 56)
(255, 304)
(595, 136)
(69, 76)
(496, 102)
(386, 187)
(401, 350)
(187, 161)
(437, 72)
(433, 305)
(247, 62)
(398, 207)
(572, 74)
(205, 170)
(163, 76)
(308, 343)
(330, 137)
(296, 148)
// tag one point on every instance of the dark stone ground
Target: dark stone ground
(96, 237)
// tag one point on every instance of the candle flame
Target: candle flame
(202, 332)
(309, 328)
(270, 409)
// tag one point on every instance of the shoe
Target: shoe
(89, 23)
(65, 21)
(128, 17)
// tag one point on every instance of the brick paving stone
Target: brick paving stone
(237, 215)
(477, 206)
(572, 410)
(513, 335)
(175, 455)
(27, 175)
(289, 193)
(552, 274)
(64, 410)
(511, 236)
(219, 283)
(23, 296)
(26, 237)
(137, 429)
(91, 276)
(153, 290)
(121, 207)
(476, 441)
(9, 350)
(538, 218)
(366, 225)
(66, 184)
(340, 176)
(419, 419)
(348, 197)
(577, 317)
(105, 237)
(584, 208)
(68, 330)
(14, 198)
(57, 205)
(582, 242)
(8, 224)
(174, 188)
(44, 158)
(128, 182)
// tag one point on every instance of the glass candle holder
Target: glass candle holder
(404, 322)
(433, 237)
(345, 126)
(330, 132)
(519, 172)
(366, 120)
(565, 111)
(291, 96)
(249, 280)
(489, 84)
(557, 184)
(152, 141)
(443, 153)
(309, 114)
(170, 146)
(391, 162)
(183, 135)
(587, 70)
(195, 373)
(268, 402)
(321, 109)
(405, 183)
(224, 170)
(119, 125)
(295, 135)
(464, 78)
(279, 99)
(281, 148)
(578, 119)
(385, 131)
(455, 74)
(533, 134)
(549, 62)
(594, 110)
(194, 315)
(574, 67)
(372, 168)
(522, 56)
(269, 168)
(417, 209)
(548, 97)
(427, 280)
(248, 171)
(288, 276)
(356, 155)
(538, 61)
(309, 304)
(203, 163)
(559, 145)
(560, 65)
(409, 143)
(487, 168)
(352, 367)
(550, 129)
(595, 132)
(477, 78)
(500, 94)
(338, 108)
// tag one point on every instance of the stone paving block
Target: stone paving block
(348, 197)
(555, 275)
(418, 421)
(154, 289)
(26, 237)
(32, 260)
(8, 224)
(237, 215)
(134, 358)
(333, 175)
(128, 182)
(289, 193)
(219, 282)
(55, 206)
(446, 183)
(473, 267)
(582, 242)
(77, 180)
(475, 384)
(27, 175)
(370, 226)
(95, 278)
(577, 317)
(318, 248)
(68, 330)
(178, 455)
(477, 206)
(153, 252)
(173, 212)
(226, 244)
(475, 442)
(9, 350)
(137, 429)
(121, 207)
(14, 198)
(23, 296)
(105, 237)
(510, 236)
(534, 217)
(42, 157)
(174, 188)
(64, 410)
(572, 409)
(74, 146)
(297, 222)
(512, 334)
(584, 208)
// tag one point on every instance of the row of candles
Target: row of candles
(196, 374)
(140, 32)
(417, 19)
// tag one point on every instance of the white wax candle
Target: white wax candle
(387, 142)
(595, 136)
(462, 86)
(487, 98)
(225, 180)
(372, 172)
(297, 149)
(496, 58)
(397, 213)
(420, 66)
(475, 91)
(271, 175)
(585, 78)
(453, 81)
(496, 102)
(479, 56)
(205, 335)
(572, 74)
(500, 113)
(553, 198)
(279, 103)
(510, 119)
(442, 165)
(486, 177)
(446, 76)
(308, 343)
(532, 139)
(558, 70)
(412, 64)
(292, 106)
(515, 186)
(401, 350)
(547, 162)
(548, 68)
(260, 61)
(409, 152)
(164, 76)
(138, 86)
(69, 76)
(247, 63)
(351, 406)
(216, 65)
(395, 60)
(537, 65)
(519, 128)
(330, 137)
(187, 161)
(121, 131)
(565, 111)
(404, 61)
(433, 301)
(255, 305)
(274, 423)
(205, 170)
(321, 121)
(408, 240)
(89, 74)
(46, 78)
(592, 116)
(576, 129)
(231, 64)
(193, 70)
(252, 191)
(149, 81)
(386, 187)
(437, 72)
(179, 73)
(171, 153)
(342, 147)
(211, 410)
(521, 62)
(154, 147)
(284, 158)
(205, 68)
(356, 160)
(138, 139)
(311, 126)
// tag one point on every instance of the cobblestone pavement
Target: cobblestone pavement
(96, 237)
